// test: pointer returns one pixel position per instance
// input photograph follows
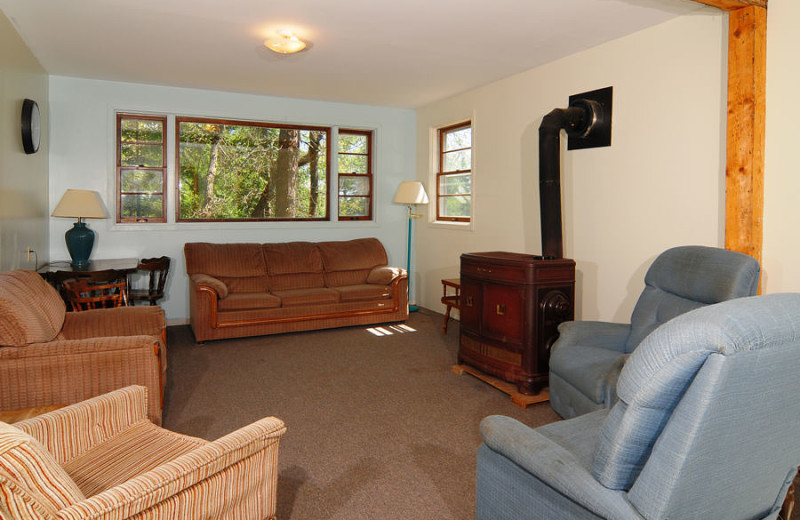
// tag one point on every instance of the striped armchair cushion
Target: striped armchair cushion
(31, 310)
(31, 481)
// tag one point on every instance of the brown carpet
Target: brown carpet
(379, 427)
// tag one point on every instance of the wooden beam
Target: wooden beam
(744, 201)
(732, 5)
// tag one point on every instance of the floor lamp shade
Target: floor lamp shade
(410, 192)
(80, 204)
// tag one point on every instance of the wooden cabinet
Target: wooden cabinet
(511, 305)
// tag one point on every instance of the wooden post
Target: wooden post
(747, 32)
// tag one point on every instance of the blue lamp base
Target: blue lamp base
(80, 240)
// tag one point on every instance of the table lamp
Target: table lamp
(80, 204)
(411, 193)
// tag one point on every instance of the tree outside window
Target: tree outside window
(241, 171)
(454, 178)
(355, 174)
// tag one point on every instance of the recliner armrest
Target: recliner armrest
(600, 334)
(119, 321)
(554, 465)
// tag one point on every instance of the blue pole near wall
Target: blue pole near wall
(411, 307)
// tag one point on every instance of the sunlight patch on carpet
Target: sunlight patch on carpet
(383, 331)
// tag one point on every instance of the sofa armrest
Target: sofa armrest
(119, 321)
(185, 483)
(384, 275)
(70, 431)
(215, 284)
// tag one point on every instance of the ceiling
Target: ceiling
(396, 53)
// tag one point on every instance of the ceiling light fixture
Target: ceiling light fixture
(285, 43)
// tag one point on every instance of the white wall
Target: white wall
(660, 184)
(82, 156)
(23, 178)
(781, 253)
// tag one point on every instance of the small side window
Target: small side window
(355, 174)
(141, 168)
(454, 178)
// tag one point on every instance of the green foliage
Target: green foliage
(238, 185)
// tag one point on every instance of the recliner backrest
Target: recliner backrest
(707, 414)
(685, 278)
(31, 310)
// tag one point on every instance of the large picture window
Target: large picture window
(454, 178)
(241, 171)
(141, 168)
(355, 174)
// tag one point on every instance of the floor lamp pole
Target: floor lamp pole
(411, 306)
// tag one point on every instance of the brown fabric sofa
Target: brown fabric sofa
(52, 357)
(247, 289)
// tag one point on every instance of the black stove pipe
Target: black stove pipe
(578, 121)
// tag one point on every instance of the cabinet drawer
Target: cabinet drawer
(486, 271)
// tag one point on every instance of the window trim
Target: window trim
(441, 173)
(241, 122)
(164, 190)
(370, 175)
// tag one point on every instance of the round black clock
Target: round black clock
(31, 127)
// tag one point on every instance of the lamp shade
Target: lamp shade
(411, 192)
(80, 204)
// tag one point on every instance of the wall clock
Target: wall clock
(31, 127)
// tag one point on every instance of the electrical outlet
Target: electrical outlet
(29, 252)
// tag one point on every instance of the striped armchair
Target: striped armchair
(102, 459)
(52, 357)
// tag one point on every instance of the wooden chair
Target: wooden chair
(158, 269)
(101, 290)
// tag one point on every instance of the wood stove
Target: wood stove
(511, 303)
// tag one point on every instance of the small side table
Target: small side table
(450, 300)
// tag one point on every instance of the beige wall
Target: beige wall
(660, 184)
(781, 257)
(24, 219)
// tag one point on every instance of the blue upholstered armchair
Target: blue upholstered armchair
(705, 427)
(586, 360)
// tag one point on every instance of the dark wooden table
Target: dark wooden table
(59, 271)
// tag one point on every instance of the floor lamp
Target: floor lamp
(411, 193)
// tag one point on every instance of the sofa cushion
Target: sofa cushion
(31, 310)
(243, 301)
(316, 296)
(27, 468)
(364, 292)
(293, 265)
(240, 267)
(350, 262)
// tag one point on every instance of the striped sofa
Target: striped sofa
(102, 459)
(246, 289)
(52, 357)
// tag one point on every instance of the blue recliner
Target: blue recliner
(705, 427)
(586, 359)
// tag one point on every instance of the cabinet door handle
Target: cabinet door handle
(501, 309)
(468, 301)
